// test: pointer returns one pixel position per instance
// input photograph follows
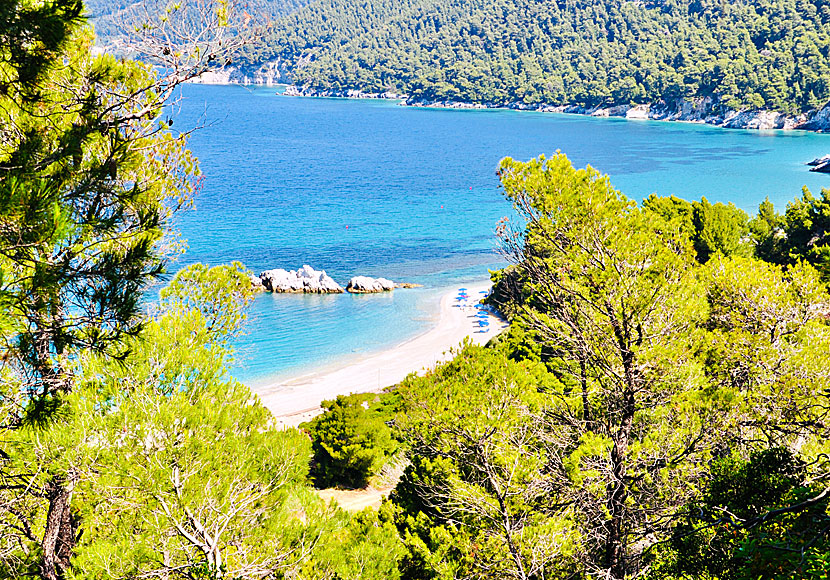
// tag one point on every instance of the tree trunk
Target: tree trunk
(617, 486)
(61, 528)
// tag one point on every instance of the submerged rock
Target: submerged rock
(305, 280)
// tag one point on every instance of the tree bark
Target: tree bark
(617, 486)
(61, 529)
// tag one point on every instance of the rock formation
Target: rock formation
(365, 284)
(820, 164)
(305, 280)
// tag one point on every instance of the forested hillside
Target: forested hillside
(112, 17)
(749, 54)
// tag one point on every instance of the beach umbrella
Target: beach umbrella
(460, 289)
(482, 314)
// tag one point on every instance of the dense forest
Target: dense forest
(659, 407)
(748, 54)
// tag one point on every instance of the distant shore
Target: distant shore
(296, 400)
(703, 111)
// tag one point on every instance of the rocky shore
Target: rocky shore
(307, 280)
(706, 110)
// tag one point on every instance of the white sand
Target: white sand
(297, 400)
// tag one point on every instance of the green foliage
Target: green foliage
(32, 36)
(712, 229)
(734, 533)
(89, 180)
(88, 184)
(768, 54)
(476, 500)
(351, 442)
(219, 294)
(167, 454)
(363, 546)
(802, 233)
(616, 300)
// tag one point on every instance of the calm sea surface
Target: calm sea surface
(368, 187)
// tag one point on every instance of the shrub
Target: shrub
(350, 442)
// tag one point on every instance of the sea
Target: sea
(367, 187)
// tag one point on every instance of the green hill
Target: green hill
(745, 55)
(109, 16)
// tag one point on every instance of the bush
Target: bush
(350, 442)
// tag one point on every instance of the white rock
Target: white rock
(305, 280)
(361, 284)
(638, 112)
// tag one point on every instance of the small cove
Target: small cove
(367, 187)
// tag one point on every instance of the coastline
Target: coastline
(703, 111)
(297, 399)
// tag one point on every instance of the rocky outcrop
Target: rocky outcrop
(819, 161)
(305, 280)
(365, 285)
(707, 110)
(295, 91)
(267, 74)
(256, 284)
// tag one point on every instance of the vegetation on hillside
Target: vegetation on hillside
(115, 20)
(658, 408)
(653, 411)
(750, 54)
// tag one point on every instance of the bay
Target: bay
(369, 187)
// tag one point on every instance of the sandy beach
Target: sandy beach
(296, 400)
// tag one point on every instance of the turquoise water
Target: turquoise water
(368, 187)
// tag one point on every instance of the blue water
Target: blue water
(368, 187)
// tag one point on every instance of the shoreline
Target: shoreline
(682, 111)
(297, 399)
(704, 111)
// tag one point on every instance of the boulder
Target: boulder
(365, 284)
(305, 280)
(823, 167)
(819, 161)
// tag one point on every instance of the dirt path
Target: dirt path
(354, 500)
